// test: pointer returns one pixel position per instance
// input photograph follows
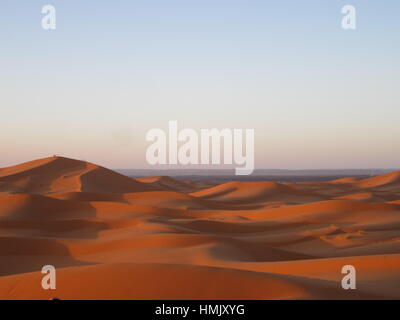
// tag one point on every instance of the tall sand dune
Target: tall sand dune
(60, 175)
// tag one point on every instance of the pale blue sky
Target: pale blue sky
(317, 96)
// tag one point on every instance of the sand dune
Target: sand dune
(164, 199)
(253, 192)
(114, 237)
(344, 180)
(87, 196)
(389, 180)
(364, 196)
(33, 206)
(169, 184)
(60, 175)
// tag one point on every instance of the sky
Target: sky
(317, 96)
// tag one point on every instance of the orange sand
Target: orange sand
(114, 237)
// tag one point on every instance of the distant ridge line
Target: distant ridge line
(257, 172)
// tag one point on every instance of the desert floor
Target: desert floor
(114, 237)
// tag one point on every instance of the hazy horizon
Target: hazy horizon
(215, 168)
